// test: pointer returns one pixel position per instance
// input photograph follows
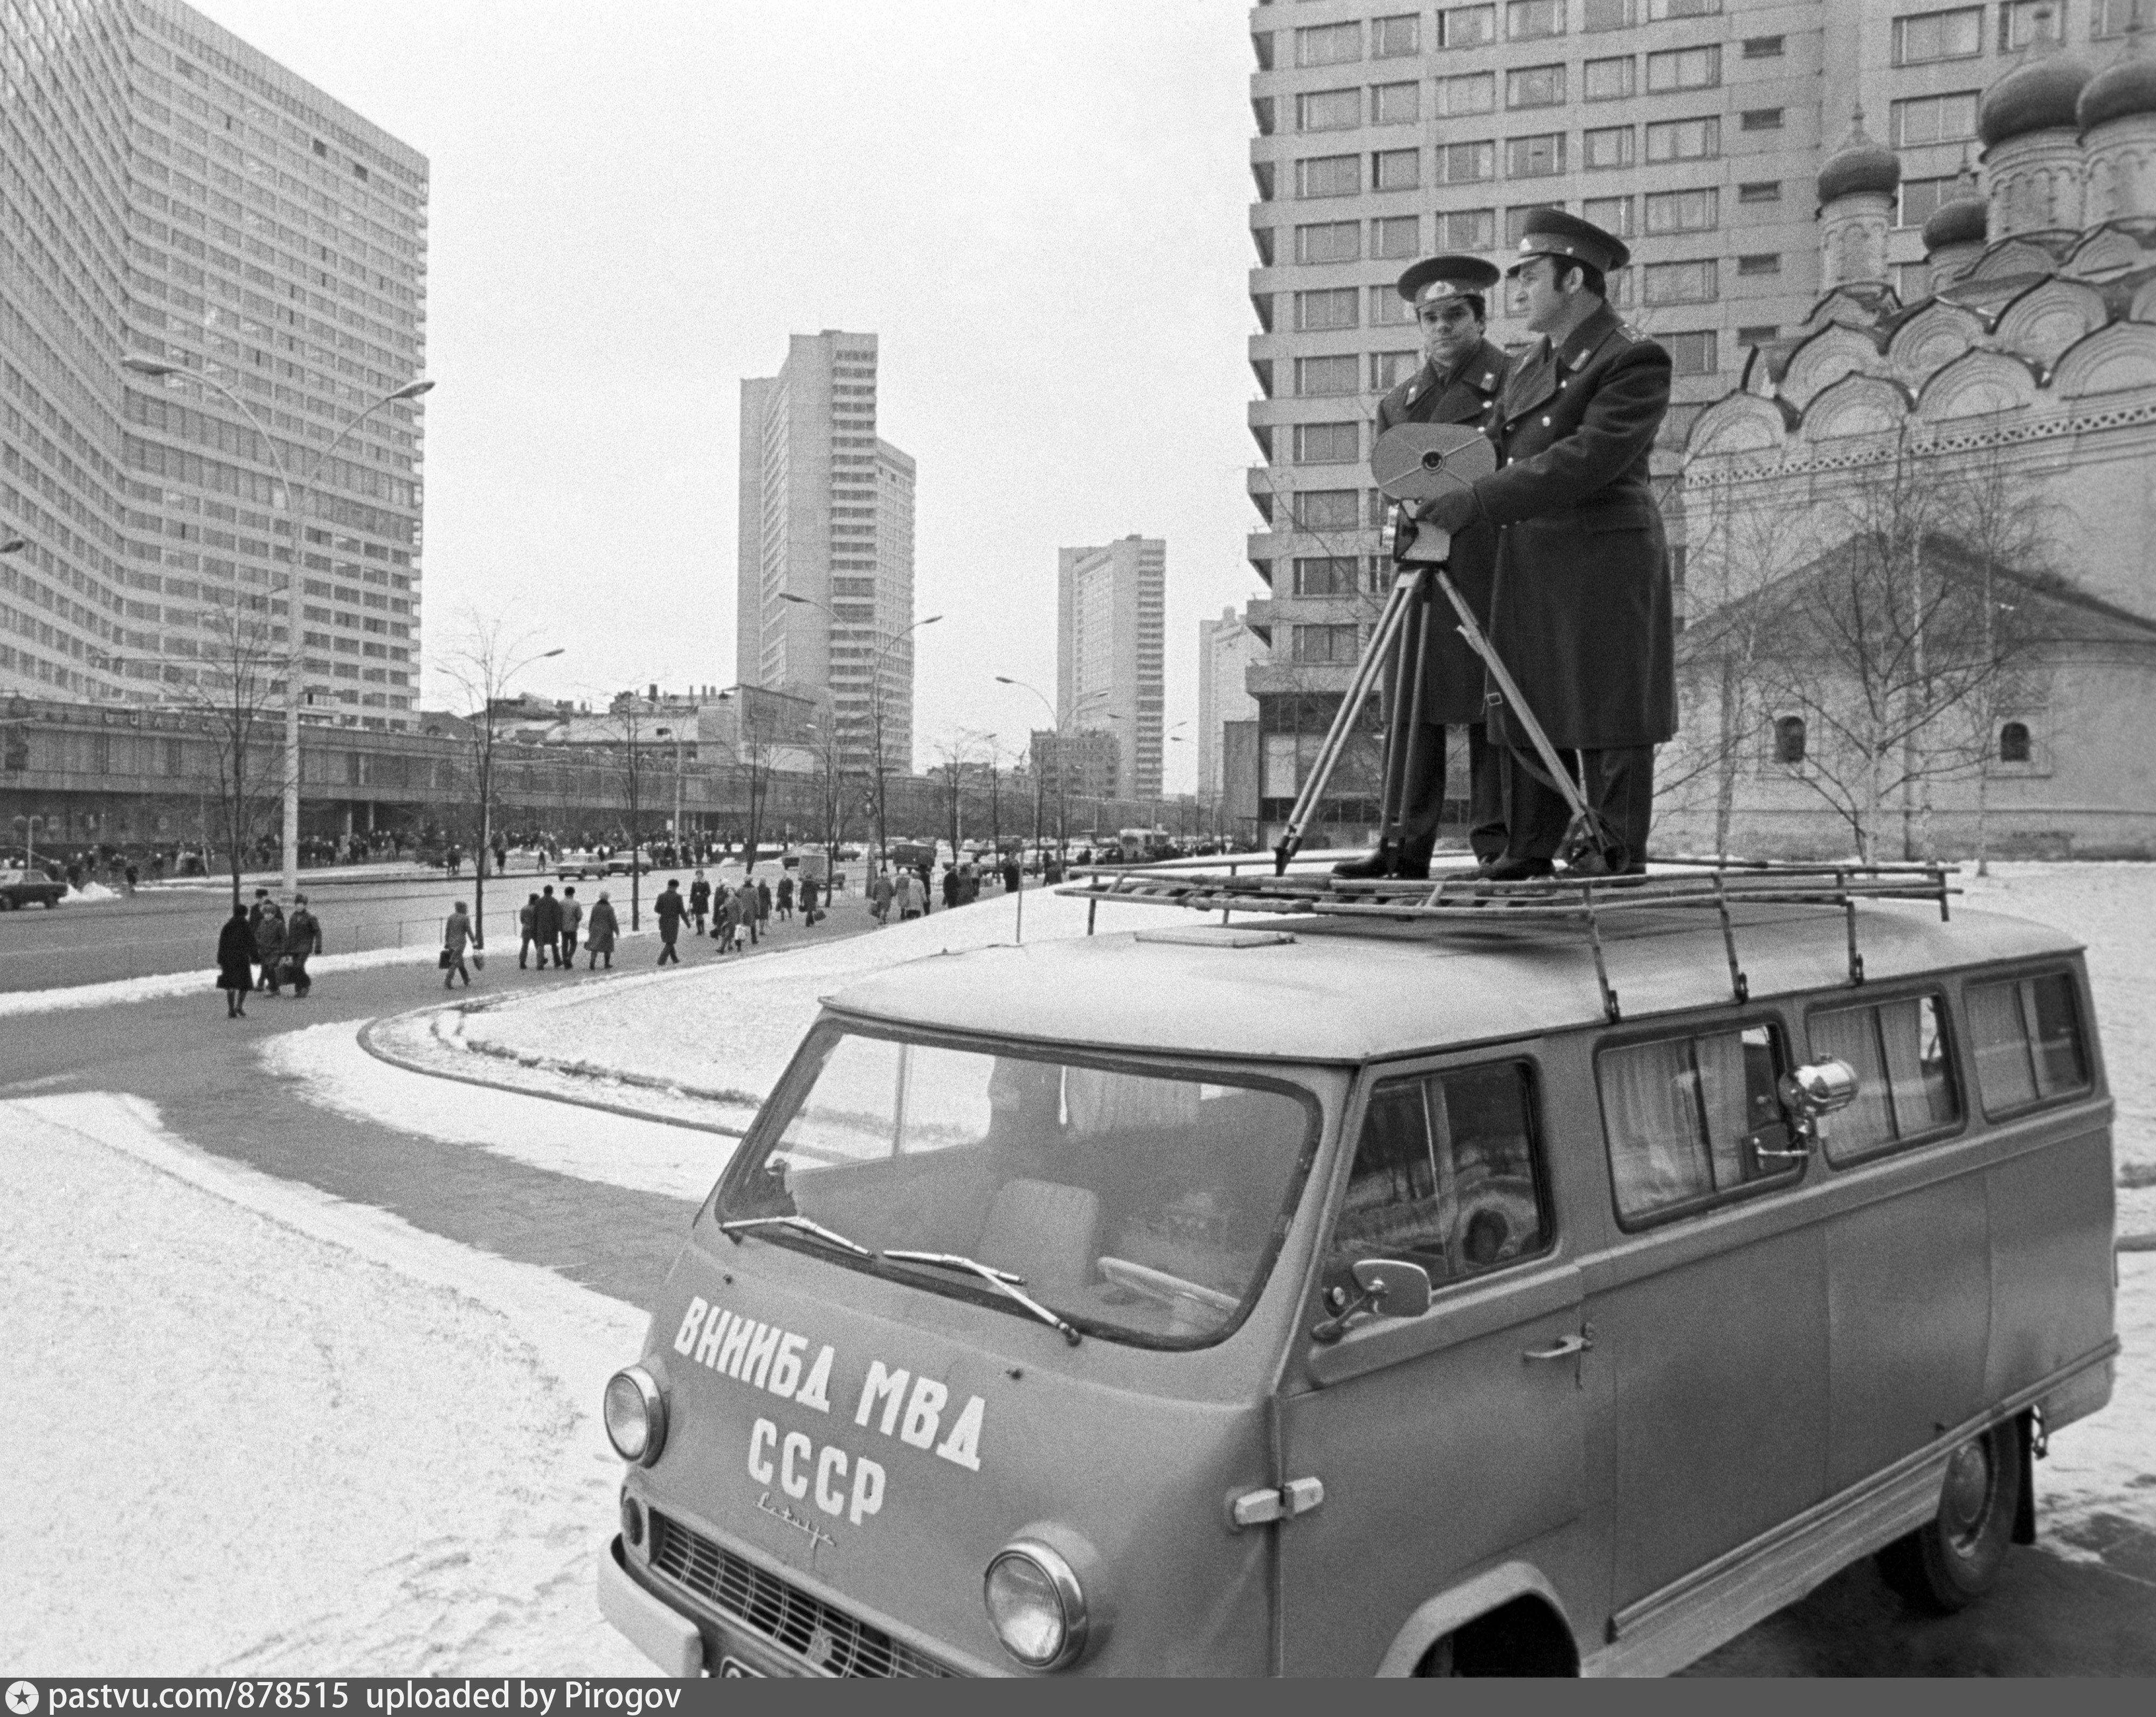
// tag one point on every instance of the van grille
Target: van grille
(824, 1635)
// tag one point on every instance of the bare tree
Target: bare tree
(480, 660)
(238, 682)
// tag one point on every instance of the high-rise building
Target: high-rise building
(1694, 129)
(1111, 637)
(167, 192)
(824, 574)
(1227, 650)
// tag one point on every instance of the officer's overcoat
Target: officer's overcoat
(1452, 674)
(1581, 611)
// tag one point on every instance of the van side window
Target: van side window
(1446, 1175)
(1688, 1117)
(1904, 1078)
(2028, 1047)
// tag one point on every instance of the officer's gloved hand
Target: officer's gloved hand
(1453, 512)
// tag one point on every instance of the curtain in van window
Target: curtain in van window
(2003, 1069)
(1725, 1100)
(1917, 1065)
(2055, 1031)
(1848, 1034)
(1657, 1149)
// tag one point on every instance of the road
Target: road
(2052, 1615)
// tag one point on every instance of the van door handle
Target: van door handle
(1565, 1347)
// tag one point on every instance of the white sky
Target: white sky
(1041, 210)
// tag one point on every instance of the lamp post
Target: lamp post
(875, 701)
(158, 369)
(30, 826)
(670, 733)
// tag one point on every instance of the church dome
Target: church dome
(2125, 87)
(1859, 163)
(2037, 96)
(1964, 218)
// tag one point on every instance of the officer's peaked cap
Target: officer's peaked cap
(1551, 231)
(1437, 278)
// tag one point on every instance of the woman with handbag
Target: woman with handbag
(456, 937)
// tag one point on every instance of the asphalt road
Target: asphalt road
(2051, 1615)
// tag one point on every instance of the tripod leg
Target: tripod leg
(1404, 717)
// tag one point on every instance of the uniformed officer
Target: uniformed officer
(1581, 611)
(1462, 375)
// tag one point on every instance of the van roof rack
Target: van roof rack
(1460, 898)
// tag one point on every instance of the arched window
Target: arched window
(2014, 742)
(1789, 738)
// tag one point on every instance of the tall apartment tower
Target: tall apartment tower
(1694, 129)
(1227, 650)
(171, 193)
(827, 518)
(1110, 646)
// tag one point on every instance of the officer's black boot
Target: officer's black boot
(1382, 860)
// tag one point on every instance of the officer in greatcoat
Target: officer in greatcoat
(1581, 611)
(1461, 377)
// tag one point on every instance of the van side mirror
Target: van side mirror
(1391, 1288)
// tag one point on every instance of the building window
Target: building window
(1328, 175)
(1397, 37)
(2115, 18)
(1598, 15)
(1763, 261)
(1388, 369)
(1396, 170)
(1395, 236)
(2022, 23)
(1692, 354)
(1515, 221)
(1921, 37)
(1613, 214)
(1696, 210)
(1761, 118)
(1535, 86)
(1328, 45)
(1315, 375)
(1607, 79)
(1324, 643)
(1757, 334)
(1328, 111)
(1388, 309)
(1540, 157)
(1695, 282)
(2014, 742)
(1933, 118)
(1469, 93)
(1762, 47)
(1467, 26)
(1684, 69)
(1333, 241)
(1685, 140)
(1610, 147)
(1789, 738)
(1760, 191)
(1920, 199)
(1466, 163)
(1467, 229)
(1325, 510)
(1530, 20)
(1395, 104)
(1315, 311)
(1662, 11)
(1325, 576)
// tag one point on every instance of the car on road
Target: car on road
(20, 888)
(576, 866)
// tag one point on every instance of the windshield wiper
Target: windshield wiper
(1003, 1281)
(800, 1224)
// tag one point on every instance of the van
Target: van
(1382, 1278)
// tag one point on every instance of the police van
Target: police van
(1381, 1278)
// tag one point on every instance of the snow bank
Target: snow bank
(91, 892)
(254, 1431)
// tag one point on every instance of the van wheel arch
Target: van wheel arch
(1956, 1557)
(1521, 1637)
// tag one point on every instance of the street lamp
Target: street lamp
(156, 369)
(669, 733)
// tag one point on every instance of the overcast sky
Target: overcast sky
(1041, 210)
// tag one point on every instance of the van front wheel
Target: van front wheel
(1955, 1558)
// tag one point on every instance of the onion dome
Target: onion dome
(1964, 218)
(2125, 87)
(1859, 163)
(2037, 96)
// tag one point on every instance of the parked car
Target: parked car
(576, 866)
(20, 888)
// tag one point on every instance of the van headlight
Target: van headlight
(635, 1415)
(1034, 1601)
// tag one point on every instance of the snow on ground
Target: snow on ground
(2102, 1470)
(329, 1066)
(91, 892)
(252, 1430)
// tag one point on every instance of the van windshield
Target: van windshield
(1141, 1204)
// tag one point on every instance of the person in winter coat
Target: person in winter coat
(235, 971)
(527, 921)
(604, 928)
(727, 920)
(547, 924)
(951, 887)
(910, 896)
(786, 897)
(879, 897)
(456, 937)
(808, 897)
(700, 901)
(572, 921)
(303, 937)
(749, 927)
(1011, 879)
(270, 945)
(762, 904)
(671, 909)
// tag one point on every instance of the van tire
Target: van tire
(1954, 1558)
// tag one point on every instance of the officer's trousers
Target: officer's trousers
(1619, 786)
(1422, 798)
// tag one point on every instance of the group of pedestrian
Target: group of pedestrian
(551, 926)
(738, 913)
(259, 947)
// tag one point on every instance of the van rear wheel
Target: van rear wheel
(1955, 1558)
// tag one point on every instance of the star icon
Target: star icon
(21, 1697)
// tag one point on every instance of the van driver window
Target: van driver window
(1905, 1083)
(2028, 1046)
(1688, 1118)
(1445, 1177)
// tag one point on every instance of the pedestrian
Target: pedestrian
(879, 897)
(547, 924)
(909, 895)
(724, 921)
(133, 876)
(270, 943)
(456, 937)
(700, 901)
(604, 928)
(951, 887)
(572, 921)
(786, 897)
(1012, 880)
(927, 886)
(527, 920)
(809, 895)
(303, 938)
(748, 924)
(235, 973)
(671, 909)
(762, 906)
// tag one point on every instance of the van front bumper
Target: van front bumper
(663, 1634)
